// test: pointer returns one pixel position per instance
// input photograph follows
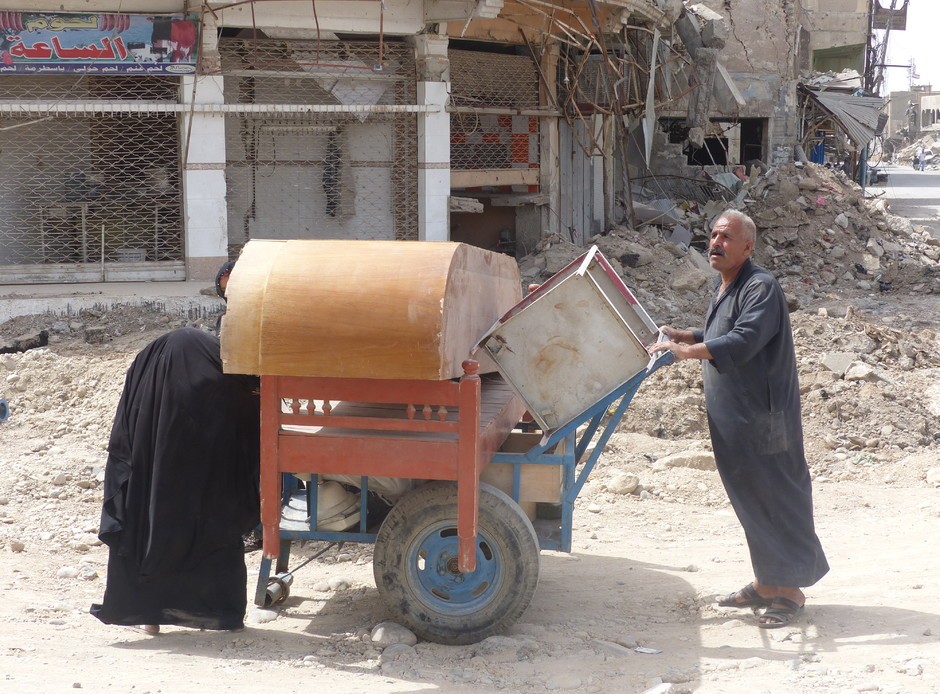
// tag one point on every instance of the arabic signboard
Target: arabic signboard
(889, 17)
(124, 44)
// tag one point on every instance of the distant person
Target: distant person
(180, 489)
(752, 399)
(921, 158)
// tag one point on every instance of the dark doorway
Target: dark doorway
(752, 139)
(715, 152)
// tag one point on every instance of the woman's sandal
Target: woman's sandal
(149, 629)
(780, 613)
(751, 598)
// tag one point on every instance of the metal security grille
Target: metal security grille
(84, 191)
(345, 169)
(488, 91)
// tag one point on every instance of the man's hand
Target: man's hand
(681, 343)
(667, 346)
(684, 337)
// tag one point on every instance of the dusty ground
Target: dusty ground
(643, 572)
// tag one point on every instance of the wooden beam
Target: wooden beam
(519, 200)
(473, 178)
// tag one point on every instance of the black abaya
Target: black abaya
(180, 488)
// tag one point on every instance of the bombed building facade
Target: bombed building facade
(151, 140)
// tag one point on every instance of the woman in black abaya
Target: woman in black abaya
(180, 489)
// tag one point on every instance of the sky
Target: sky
(918, 42)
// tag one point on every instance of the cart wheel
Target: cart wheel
(415, 565)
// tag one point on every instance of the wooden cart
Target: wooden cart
(362, 350)
(455, 560)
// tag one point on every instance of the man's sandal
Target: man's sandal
(751, 598)
(780, 613)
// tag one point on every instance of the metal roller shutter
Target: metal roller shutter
(90, 182)
(343, 164)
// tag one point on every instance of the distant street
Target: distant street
(913, 194)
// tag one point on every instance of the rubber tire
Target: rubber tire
(461, 611)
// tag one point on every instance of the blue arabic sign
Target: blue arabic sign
(124, 44)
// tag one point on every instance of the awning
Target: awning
(859, 116)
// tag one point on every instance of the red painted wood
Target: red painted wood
(381, 440)
(377, 457)
(468, 468)
(369, 390)
(367, 424)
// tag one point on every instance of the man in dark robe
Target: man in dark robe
(180, 489)
(752, 397)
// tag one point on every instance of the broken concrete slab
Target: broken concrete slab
(657, 212)
(25, 342)
(838, 362)
(96, 335)
(696, 460)
(860, 371)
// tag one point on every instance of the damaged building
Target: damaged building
(151, 141)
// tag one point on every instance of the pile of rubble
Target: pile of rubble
(908, 154)
(816, 231)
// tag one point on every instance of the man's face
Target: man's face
(728, 247)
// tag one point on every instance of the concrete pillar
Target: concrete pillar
(549, 144)
(705, 66)
(203, 154)
(433, 138)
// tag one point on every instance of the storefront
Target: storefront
(90, 141)
(320, 139)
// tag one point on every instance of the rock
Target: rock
(67, 572)
(25, 342)
(933, 477)
(687, 278)
(788, 190)
(860, 371)
(622, 483)
(339, 583)
(386, 634)
(627, 642)
(87, 573)
(838, 362)
(696, 460)
(258, 615)
(96, 335)
(17, 546)
(610, 647)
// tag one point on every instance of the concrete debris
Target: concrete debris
(816, 232)
(24, 342)
(906, 153)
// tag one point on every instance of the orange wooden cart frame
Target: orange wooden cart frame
(416, 429)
